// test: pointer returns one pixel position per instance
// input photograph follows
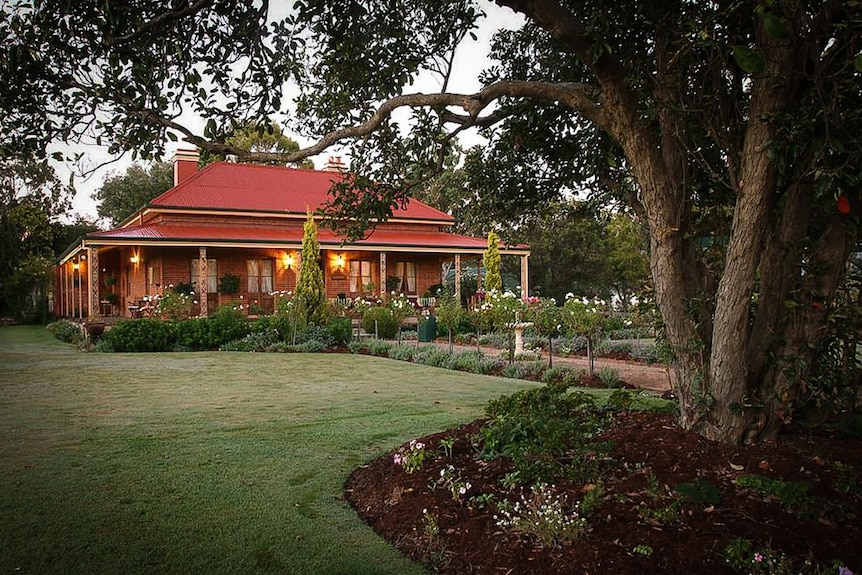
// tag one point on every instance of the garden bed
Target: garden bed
(668, 501)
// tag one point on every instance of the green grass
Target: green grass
(206, 462)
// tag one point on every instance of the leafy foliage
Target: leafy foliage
(449, 314)
(491, 261)
(31, 200)
(264, 138)
(122, 74)
(122, 195)
(380, 321)
(67, 331)
(142, 335)
(535, 427)
(310, 294)
(229, 284)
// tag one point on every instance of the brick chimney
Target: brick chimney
(185, 164)
(335, 164)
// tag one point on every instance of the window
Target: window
(260, 276)
(407, 272)
(360, 275)
(212, 274)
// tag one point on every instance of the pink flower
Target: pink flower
(758, 557)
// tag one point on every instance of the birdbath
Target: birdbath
(519, 335)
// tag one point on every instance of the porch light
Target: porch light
(134, 259)
(288, 261)
(76, 266)
(339, 262)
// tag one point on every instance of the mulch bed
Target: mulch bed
(650, 457)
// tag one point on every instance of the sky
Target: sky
(470, 59)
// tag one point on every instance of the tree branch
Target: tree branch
(169, 16)
(557, 20)
(580, 97)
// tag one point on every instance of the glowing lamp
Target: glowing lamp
(339, 262)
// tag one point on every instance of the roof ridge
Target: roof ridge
(268, 188)
(273, 166)
(175, 188)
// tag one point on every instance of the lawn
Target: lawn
(204, 462)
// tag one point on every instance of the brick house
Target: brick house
(247, 221)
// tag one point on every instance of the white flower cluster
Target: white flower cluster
(542, 516)
(454, 483)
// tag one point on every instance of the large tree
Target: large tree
(262, 142)
(121, 195)
(31, 201)
(731, 127)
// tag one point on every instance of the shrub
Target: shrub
(432, 355)
(629, 333)
(498, 339)
(227, 324)
(380, 321)
(103, 346)
(465, 338)
(279, 322)
(607, 348)
(490, 365)
(340, 330)
(465, 361)
(255, 341)
(317, 333)
(646, 352)
(536, 428)
(525, 370)
(571, 346)
(402, 353)
(175, 304)
(560, 375)
(465, 328)
(609, 376)
(379, 347)
(142, 335)
(194, 335)
(311, 346)
(66, 330)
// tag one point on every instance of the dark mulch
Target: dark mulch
(650, 458)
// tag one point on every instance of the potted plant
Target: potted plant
(229, 284)
(393, 283)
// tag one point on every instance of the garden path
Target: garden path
(656, 378)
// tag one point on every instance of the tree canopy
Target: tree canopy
(121, 195)
(31, 201)
(731, 129)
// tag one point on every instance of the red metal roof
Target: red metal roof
(246, 234)
(251, 187)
